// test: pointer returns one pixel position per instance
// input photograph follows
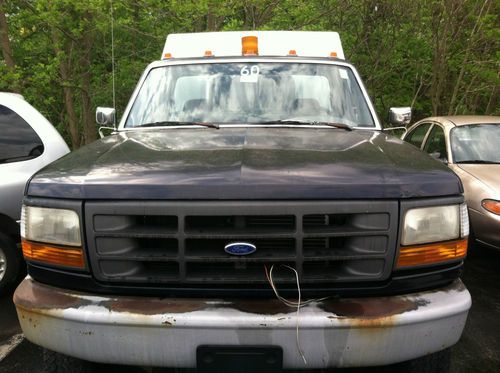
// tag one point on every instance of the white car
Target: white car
(28, 142)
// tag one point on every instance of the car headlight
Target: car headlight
(433, 234)
(52, 236)
(432, 224)
(49, 225)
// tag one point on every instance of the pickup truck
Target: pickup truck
(248, 213)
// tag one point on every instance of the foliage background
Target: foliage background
(439, 56)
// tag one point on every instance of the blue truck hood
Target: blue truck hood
(246, 163)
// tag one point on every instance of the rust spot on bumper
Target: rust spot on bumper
(153, 306)
(32, 295)
(380, 308)
(29, 318)
(367, 308)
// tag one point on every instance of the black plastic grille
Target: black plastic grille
(182, 243)
(216, 224)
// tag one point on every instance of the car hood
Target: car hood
(246, 163)
(488, 174)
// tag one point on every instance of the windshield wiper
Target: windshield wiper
(178, 123)
(478, 161)
(314, 123)
(333, 124)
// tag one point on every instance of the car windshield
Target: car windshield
(476, 143)
(250, 93)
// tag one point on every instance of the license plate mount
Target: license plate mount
(241, 359)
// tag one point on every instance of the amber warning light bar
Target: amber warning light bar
(253, 43)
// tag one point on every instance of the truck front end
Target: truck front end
(248, 210)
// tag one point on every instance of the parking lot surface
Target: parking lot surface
(477, 351)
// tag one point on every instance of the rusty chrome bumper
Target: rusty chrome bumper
(159, 332)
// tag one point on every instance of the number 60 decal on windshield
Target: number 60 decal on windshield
(249, 74)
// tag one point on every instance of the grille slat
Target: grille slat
(134, 222)
(138, 258)
(344, 232)
(250, 259)
(327, 242)
(138, 234)
(343, 257)
(227, 224)
(240, 235)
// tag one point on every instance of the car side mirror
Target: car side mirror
(105, 118)
(400, 116)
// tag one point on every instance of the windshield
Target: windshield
(476, 143)
(250, 93)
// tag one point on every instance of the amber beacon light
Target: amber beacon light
(249, 46)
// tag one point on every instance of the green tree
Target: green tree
(439, 56)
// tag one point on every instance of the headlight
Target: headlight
(433, 224)
(57, 226)
(433, 235)
(52, 236)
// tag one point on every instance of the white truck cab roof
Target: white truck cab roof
(270, 43)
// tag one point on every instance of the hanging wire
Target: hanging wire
(113, 61)
(298, 304)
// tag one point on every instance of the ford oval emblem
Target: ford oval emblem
(240, 248)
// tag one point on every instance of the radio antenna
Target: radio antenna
(113, 61)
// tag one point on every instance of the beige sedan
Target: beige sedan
(470, 146)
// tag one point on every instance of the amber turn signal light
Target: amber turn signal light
(51, 254)
(433, 253)
(491, 205)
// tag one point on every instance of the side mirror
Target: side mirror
(105, 116)
(400, 116)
